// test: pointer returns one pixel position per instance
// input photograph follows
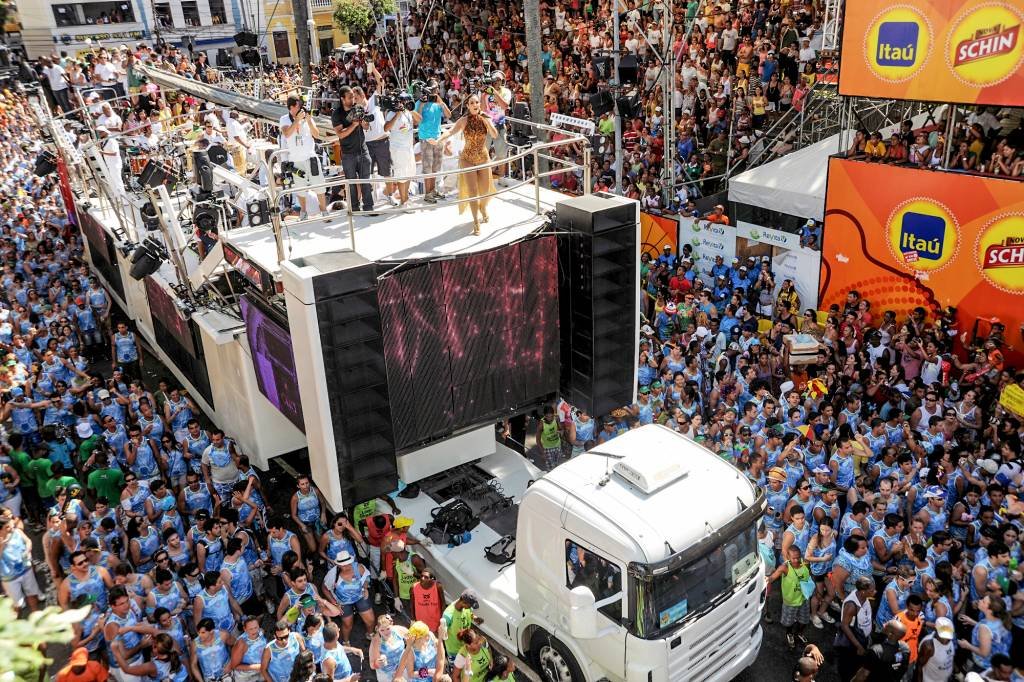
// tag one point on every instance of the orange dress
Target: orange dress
(474, 153)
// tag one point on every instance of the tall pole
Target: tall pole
(301, 17)
(616, 53)
(535, 66)
(314, 34)
(668, 119)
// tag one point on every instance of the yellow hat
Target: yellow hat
(777, 474)
(419, 629)
(403, 522)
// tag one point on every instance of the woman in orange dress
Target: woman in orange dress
(476, 129)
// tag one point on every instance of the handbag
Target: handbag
(807, 586)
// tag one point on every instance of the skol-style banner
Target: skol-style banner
(967, 51)
(905, 237)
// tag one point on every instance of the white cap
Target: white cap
(103, 394)
(702, 332)
(944, 628)
(989, 466)
(810, 222)
(84, 430)
(343, 558)
(646, 329)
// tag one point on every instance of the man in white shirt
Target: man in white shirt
(807, 53)
(58, 83)
(109, 118)
(111, 152)
(376, 136)
(108, 77)
(498, 100)
(298, 138)
(238, 141)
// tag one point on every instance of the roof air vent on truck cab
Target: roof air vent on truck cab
(650, 472)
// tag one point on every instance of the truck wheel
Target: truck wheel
(552, 660)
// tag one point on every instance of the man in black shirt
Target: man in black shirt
(355, 157)
(888, 660)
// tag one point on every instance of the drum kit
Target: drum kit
(170, 152)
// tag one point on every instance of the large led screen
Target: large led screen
(470, 339)
(274, 361)
(163, 310)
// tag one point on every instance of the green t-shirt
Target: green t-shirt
(87, 446)
(792, 595)
(363, 510)
(20, 460)
(479, 663)
(406, 576)
(63, 480)
(454, 622)
(107, 483)
(42, 472)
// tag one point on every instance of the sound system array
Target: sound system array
(357, 382)
(597, 261)
(628, 69)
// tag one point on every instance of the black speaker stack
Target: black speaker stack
(628, 69)
(597, 294)
(357, 384)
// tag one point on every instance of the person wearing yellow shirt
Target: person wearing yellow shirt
(874, 148)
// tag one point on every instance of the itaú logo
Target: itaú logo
(922, 235)
(986, 43)
(897, 43)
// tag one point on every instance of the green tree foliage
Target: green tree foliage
(20, 657)
(360, 16)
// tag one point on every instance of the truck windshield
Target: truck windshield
(695, 589)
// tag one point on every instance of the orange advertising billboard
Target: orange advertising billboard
(968, 51)
(906, 237)
(656, 231)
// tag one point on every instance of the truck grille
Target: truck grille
(713, 646)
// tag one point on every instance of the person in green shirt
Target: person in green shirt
(474, 656)
(61, 481)
(503, 668)
(105, 482)
(796, 613)
(89, 441)
(41, 469)
(458, 616)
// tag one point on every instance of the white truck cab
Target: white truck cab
(635, 561)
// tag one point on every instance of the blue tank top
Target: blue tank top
(885, 613)
(777, 502)
(169, 600)
(164, 672)
(148, 545)
(181, 419)
(217, 607)
(176, 466)
(392, 648)
(336, 545)
(156, 423)
(241, 581)
(282, 658)
(89, 626)
(845, 474)
(889, 541)
(145, 461)
(253, 649)
(129, 639)
(124, 347)
(823, 567)
(23, 420)
(92, 584)
(424, 661)
(351, 591)
(198, 499)
(279, 547)
(196, 446)
(315, 644)
(115, 411)
(16, 559)
(212, 658)
(220, 456)
(584, 433)
(308, 507)
(800, 537)
(1001, 639)
(937, 521)
(214, 553)
(342, 666)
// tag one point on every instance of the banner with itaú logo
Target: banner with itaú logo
(966, 51)
(905, 237)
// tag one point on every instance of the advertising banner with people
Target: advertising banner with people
(789, 260)
(967, 51)
(905, 237)
(709, 241)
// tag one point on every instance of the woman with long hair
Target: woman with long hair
(991, 633)
(476, 128)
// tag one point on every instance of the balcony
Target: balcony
(320, 5)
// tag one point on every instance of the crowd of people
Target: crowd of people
(890, 468)
(978, 146)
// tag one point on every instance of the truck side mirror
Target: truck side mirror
(582, 613)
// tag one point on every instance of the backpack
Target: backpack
(450, 520)
(503, 551)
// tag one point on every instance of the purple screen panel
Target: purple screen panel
(274, 362)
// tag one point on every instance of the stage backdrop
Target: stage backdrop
(966, 51)
(905, 237)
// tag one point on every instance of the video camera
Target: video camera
(396, 100)
(358, 113)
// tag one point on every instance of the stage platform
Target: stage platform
(427, 232)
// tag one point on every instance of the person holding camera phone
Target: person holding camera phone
(401, 125)
(351, 123)
(298, 137)
(377, 142)
(432, 111)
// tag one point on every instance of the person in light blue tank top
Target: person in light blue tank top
(216, 603)
(140, 453)
(421, 659)
(313, 636)
(144, 541)
(991, 634)
(386, 648)
(235, 572)
(308, 511)
(336, 663)
(210, 651)
(247, 654)
(280, 654)
(583, 432)
(194, 442)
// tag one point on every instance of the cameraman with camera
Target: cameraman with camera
(351, 122)
(432, 110)
(495, 100)
(376, 134)
(402, 126)
(298, 138)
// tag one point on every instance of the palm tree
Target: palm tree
(531, 13)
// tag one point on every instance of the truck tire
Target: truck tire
(552, 660)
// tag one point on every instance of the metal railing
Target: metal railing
(535, 153)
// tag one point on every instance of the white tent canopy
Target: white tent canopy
(793, 184)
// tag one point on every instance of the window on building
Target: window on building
(282, 46)
(190, 11)
(218, 15)
(162, 12)
(93, 13)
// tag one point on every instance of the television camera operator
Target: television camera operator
(495, 101)
(351, 122)
(402, 119)
(298, 138)
(432, 111)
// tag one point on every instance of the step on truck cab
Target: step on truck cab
(635, 561)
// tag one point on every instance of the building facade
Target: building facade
(279, 43)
